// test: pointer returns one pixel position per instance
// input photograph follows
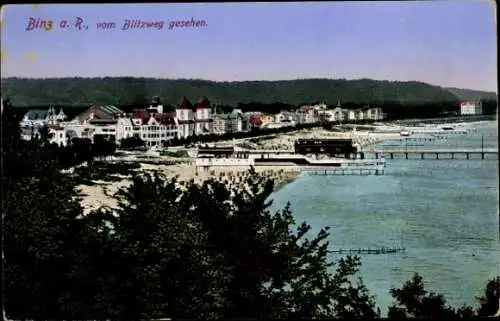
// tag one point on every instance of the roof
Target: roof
(142, 114)
(167, 119)
(102, 121)
(204, 103)
(185, 103)
(100, 112)
(110, 109)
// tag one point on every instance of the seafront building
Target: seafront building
(320, 112)
(471, 108)
(154, 125)
(35, 119)
(158, 124)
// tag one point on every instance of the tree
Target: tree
(44, 134)
(191, 251)
(414, 301)
(39, 213)
(270, 96)
(164, 256)
(490, 301)
(274, 272)
(132, 143)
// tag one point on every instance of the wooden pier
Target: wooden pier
(381, 250)
(438, 154)
(341, 171)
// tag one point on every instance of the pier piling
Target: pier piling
(452, 153)
(382, 250)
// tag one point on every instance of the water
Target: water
(445, 212)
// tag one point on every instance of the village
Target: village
(164, 132)
(157, 125)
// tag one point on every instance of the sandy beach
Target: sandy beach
(100, 194)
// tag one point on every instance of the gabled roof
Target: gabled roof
(142, 114)
(204, 103)
(185, 103)
(167, 119)
(100, 112)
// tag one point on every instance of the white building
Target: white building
(35, 119)
(471, 108)
(58, 135)
(306, 115)
(284, 117)
(203, 118)
(351, 114)
(153, 128)
(337, 114)
(185, 118)
(124, 128)
(234, 122)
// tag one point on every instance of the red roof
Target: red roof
(185, 104)
(167, 119)
(141, 114)
(204, 103)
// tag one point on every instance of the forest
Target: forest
(196, 253)
(128, 91)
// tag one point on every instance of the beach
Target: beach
(101, 193)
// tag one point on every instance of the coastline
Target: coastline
(184, 170)
(101, 193)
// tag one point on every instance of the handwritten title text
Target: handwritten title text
(79, 24)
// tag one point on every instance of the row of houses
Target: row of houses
(321, 113)
(154, 125)
(158, 123)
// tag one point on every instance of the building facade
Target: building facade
(185, 118)
(203, 118)
(219, 124)
(35, 119)
(471, 108)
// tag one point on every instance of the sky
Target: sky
(445, 43)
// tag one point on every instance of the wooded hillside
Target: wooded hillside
(468, 94)
(139, 91)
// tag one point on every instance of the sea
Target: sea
(444, 212)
